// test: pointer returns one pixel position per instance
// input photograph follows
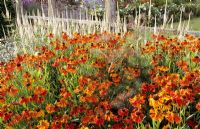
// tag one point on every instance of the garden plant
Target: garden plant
(103, 80)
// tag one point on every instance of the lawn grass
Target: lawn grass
(194, 24)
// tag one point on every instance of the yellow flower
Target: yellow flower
(84, 127)
(9, 127)
(156, 115)
(88, 91)
(155, 101)
(162, 68)
(43, 124)
(166, 127)
(40, 113)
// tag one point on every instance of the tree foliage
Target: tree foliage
(3, 21)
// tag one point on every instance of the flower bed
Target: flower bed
(73, 83)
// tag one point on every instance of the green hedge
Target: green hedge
(4, 22)
(172, 9)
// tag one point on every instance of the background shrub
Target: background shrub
(3, 21)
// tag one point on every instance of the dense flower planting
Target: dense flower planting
(73, 82)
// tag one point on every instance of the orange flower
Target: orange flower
(39, 113)
(105, 85)
(2, 100)
(50, 35)
(196, 59)
(137, 116)
(198, 106)
(177, 119)
(162, 68)
(136, 72)
(156, 115)
(24, 100)
(71, 70)
(83, 59)
(166, 127)
(155, 101)
(37, 99)
(108, 116)
(92, 99)
(27, 75)
(12, 91)
(64, 36)
(183, 65)
(28, 84)
(148, 87)
(67, 70)
(65, 118)
(16, 118)
(64, 93)
(40, 91)
(50, 108)
(113, 75)
(183, 97)
(98, 120)
(19, 67)
(171, 117)
(82, 99)
(116, 79)
(43, 124)
(62, 103)
(9, 127)
(99, 64)
(137, 100)
(189, 37)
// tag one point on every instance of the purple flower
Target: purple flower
(27, 2)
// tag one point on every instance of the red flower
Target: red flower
(123, 112)
(70, 126)
(137, 116)
(191, 123)
(171, 117)
(56, 125)
(116, 119)
(127, 121)
(129, 127)
(7, 116)
(137, 100)
(117, 126)
(50, 35)
(86, 119)
(198, 106)
(98, 121)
